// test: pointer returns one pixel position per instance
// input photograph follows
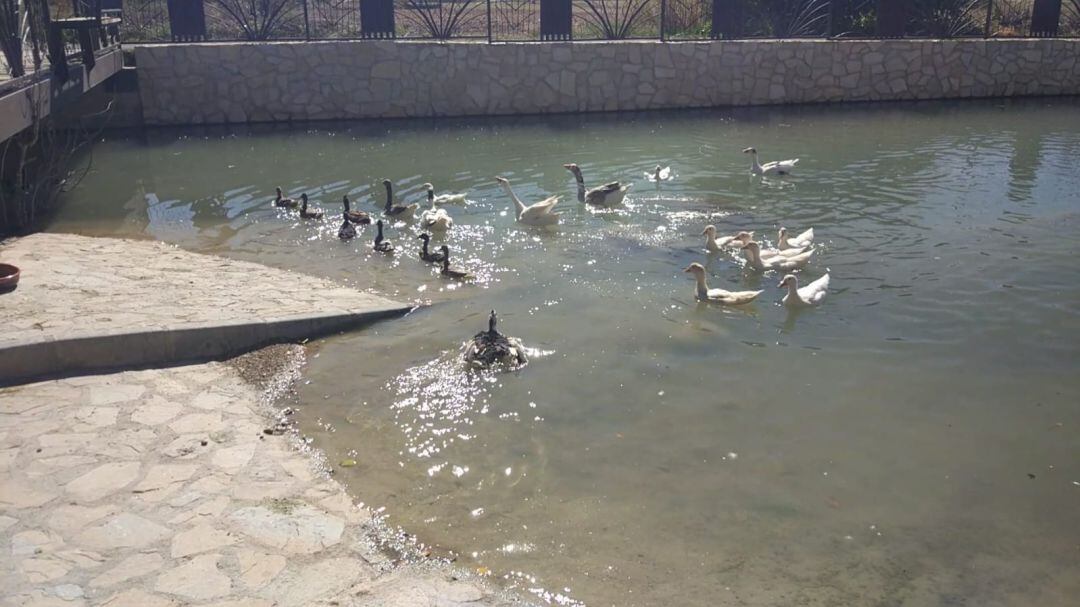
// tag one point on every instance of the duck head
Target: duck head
(378, 224)
(744, 237)
(345, 201)
(709, 230)
(695, 268)
(789, 281)
(278, 190)
(425, 237)
(303, 200)
(750, 151)
(491, 323)
(446, 251)
(573, 168)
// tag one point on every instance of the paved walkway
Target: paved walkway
(98, 303)
(161, 488)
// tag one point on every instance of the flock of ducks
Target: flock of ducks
(491, 347)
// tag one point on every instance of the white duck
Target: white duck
(799, 242)
(779, 167)
(436, 220)
(660, 174)
(714, 244)
(537, 214)
(442, 199)
(810, 295)
(744, 237)
(607, 195)
(752, 251)
(704, 293)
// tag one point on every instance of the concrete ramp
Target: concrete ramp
(96, 304)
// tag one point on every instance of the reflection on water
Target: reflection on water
(913, 441)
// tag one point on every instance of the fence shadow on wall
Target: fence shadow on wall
(550, 20)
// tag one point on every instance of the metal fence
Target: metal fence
(543, 20)
(35, 34)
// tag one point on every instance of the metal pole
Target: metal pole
(663, 15)
(307, 25)
(989, 17)
(489, 20)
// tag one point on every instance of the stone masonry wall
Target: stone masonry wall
(276, 81)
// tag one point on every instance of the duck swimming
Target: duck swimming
(426, 255)
(347, 230)
(436, 220)
(382, 246)
(798, 242)
(488, 348)
(778, 167)
(714, 244)
(449, 272)
(704, 293)
(659, 174)
(537, 214)
(752, 251)
(744, 237)
(397, 211)
(607, 195)
(308, 214)
(357, 217)
(810, 295)
(284, 203)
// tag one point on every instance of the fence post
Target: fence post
(307, 24)
(663, 16)
(1045, 18)
(489, 20)
(989, 17)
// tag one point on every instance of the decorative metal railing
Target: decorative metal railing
(546, 20)
(35, 34)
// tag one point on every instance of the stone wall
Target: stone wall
(248, 82)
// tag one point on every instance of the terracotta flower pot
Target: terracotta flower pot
(9, 277)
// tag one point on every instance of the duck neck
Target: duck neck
(754, 164)
(710, 243)
(793, 290)
(702, 286)
(425, 247)
(389, 196)
(378, 235)
(491, 325)
(517, 201)
(580, 185)
(431, 198)
(753, 258)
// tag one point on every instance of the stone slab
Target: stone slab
(97, 304)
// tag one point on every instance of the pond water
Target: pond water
(913, 441)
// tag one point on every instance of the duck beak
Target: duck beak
(569, 167)
(704, 232)
(686, 269)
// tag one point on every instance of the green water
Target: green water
(914, 441)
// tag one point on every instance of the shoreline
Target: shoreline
(175, 487)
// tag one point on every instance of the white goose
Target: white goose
(752, 251)
(704, 293)
(778, 167)
(744, 237)
(659, 174)
(810, 295)
(537, 214)
(607, 195)
(799, 242)
(714, 244)
(436, 220)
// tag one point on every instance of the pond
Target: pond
(913, 440)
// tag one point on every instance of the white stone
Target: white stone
(163, 475)
(136, 565)
(200, 579)
(124, 530)
(103, 480)
(258, 568)
(200, 538)
(300, 529)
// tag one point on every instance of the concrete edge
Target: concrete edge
(53, 357)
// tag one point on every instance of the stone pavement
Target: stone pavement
(161, 488)
(102, 303)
